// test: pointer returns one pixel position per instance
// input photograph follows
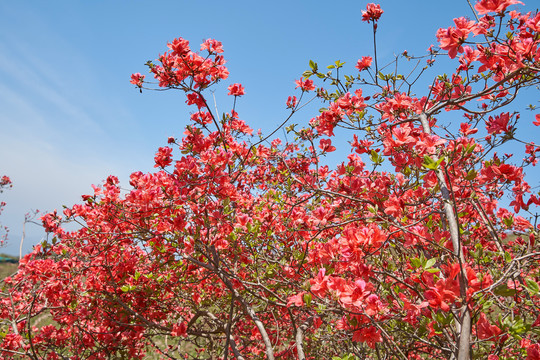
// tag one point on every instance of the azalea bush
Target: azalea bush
(421, 243)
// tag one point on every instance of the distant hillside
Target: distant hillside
(8, 265)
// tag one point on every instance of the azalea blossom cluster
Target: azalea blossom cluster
(244, 246)
(373, 13)
(500, 58)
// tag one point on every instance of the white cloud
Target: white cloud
(53, 142)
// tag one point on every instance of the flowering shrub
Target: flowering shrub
(246, 247)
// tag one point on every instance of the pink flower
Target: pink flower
(163, 157)
(297, 300)
(369, 335)
(485, 330)
(486, 6)
(243, 219)
(194, 98)
(179, 329)
(451, 39)
(137, 79)
(50, 221)
(5, 180)
(364, 63)
(291, 102)
(180, 47)
(236, 90)
(305, 85)
(537, 122)
(326, 145)
(533, 352)
(213, 46)
(466, 130)
(372, 13)
(498, 124)
(12, 341)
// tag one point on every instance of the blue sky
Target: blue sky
(69, 116)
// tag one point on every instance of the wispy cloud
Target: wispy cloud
(53, 138)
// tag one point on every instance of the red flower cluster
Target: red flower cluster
(137, 79)
(372, 13)
(364, 63)
(451, 39)
(498, 6)
(305, 85)
(5, 181)
(236, 90)
(181, 63)
(163, 157)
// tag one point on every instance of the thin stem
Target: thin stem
(472, 8)
(22, 239)
(375, 52)
(228, 329)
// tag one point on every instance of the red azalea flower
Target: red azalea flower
(364, 63)
(163, 157)
(372, 13)
(137, 79)
(326, 145)
(236, 90)
(486, 6)
(305, 85)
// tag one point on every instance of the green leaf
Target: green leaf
(376, 158)
(290, 128)
(471, 175)
(518, 328)
(416, 262)
(313, 65)
(430, 263)
(487, 305)
(470, 148)
(442, 319)
(431, 164)
(532, 286)
(307, 299)
(339, 64)
(504, 290)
